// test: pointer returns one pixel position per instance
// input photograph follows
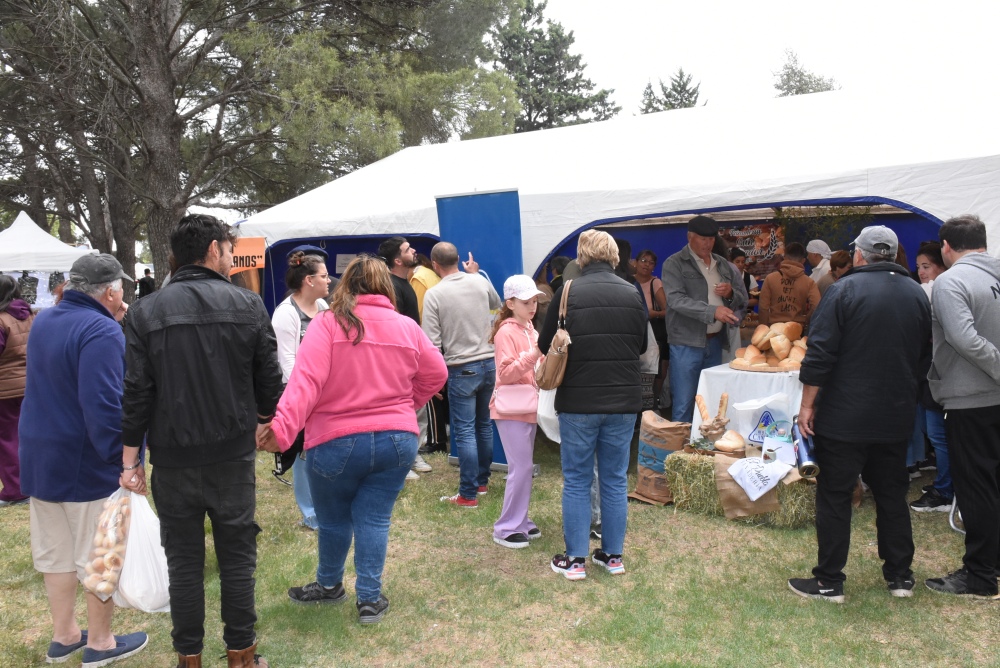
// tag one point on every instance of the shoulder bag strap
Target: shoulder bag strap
(562, 304)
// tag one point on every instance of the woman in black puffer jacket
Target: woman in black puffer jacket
(598, 400)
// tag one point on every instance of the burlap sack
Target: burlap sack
(651, 487)
(735, 501)
(661, 433)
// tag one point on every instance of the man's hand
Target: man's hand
(134, 480)
(725, 314)
(266, 439)
(806, 417)
(470, 265)
(724, 290)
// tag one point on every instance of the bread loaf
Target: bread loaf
(781, 346)
(759, 334)
(793, 330)
(750, 352)
(801, 343)
(731, 441)
(796, 354)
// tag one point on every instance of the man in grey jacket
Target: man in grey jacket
(457, 319)
(965, 379)
(701, 305)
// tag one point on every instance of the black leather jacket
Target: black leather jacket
(200, 364)
(606, 320)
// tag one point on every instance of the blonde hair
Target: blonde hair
(596, 246)
(365, 275)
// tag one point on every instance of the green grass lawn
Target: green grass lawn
(699, 591)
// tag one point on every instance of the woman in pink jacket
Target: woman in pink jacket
(516, 344)
(361, 371)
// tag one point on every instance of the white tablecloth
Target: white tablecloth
(744, 386)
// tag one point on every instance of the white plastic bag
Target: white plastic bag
(548, 419)
(751, 418)
(756, 477)
(144, 582)
(649, 361)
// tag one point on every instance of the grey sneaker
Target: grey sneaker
(420, 466)
(957, 583)
(314, 592)
(372, 613)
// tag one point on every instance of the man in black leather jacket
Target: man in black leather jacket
(201, 374)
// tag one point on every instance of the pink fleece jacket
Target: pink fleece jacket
(516, 354)
(337, 389)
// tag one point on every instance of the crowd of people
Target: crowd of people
(202, 378)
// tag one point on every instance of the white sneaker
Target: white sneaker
(410, 475)
(420, 465)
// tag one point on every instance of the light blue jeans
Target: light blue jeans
(470, 387)
(303, 497)
(607, 437)
(686, 363)
(355, 481)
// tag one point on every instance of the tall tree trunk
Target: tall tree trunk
(121, 212)
(162, 126)
(101, 235)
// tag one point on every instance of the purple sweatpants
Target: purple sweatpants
(518, 440)
(10, 464)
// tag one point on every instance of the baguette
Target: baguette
(702, 408)
(723, 405)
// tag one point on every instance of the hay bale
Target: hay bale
(692, 482)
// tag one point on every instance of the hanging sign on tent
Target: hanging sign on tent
(248, 254)
(764, 244)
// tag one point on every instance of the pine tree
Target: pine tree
(679, 95)
(552, 88)
(794, 79)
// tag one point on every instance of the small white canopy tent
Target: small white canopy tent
(24, 245)
(936, 158)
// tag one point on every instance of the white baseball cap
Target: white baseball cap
(521, 287)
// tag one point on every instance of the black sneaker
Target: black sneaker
(534, 533)
(514, 541)
(927, 465)
(931, 502)
(372, 613)
(813, 588)
(612, 563)
(957, 583)
(901, 587)
(927, 488)
(314, 592)
(595, 534)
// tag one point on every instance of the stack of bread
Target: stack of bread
(108, 555)
(780, 347)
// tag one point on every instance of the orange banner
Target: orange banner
(248, 254)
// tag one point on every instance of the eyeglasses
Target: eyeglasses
(647, 260)
(324, 276)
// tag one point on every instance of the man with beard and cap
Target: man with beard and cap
(701, 305)
(818, 253)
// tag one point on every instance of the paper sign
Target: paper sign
(248, 254)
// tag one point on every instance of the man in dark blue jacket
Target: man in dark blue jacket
(71, 449)
(202, 373)
(869, 338)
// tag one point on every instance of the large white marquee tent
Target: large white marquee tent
(934, 158)
(26, 246)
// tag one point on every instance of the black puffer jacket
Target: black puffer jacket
(200, 364)
(869, 339)
(606, 320)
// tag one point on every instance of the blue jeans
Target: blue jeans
(355, 481)
(686, 363)
(608, 436)
(303, 497)
(934, 426)
(470, 387)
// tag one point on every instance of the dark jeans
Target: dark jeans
(226, 492)
(974, 446)
(470, 387)
(883, 468)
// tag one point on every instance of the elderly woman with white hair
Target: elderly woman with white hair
(818, 253)
(597, 401)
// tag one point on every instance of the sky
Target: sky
(883, 47)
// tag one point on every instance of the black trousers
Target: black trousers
(226, 493)
(883, 468)
(974, 447)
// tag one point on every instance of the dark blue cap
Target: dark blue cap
(309, 250)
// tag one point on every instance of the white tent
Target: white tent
(24, 245)
(935, 158)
